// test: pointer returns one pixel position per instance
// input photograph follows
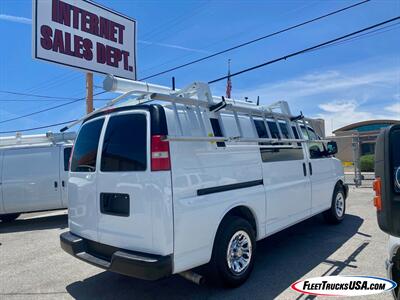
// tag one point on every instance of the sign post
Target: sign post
(89, 93)
(84, 35)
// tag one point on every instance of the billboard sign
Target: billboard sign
(84, 35)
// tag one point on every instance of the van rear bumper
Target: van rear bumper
(134, 264)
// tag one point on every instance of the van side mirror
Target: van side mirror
(332, 148)
(387, 180)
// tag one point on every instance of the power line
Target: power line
(49, 108)
(48, 100)
(36, 128)
(305, 50)
(344, 38)
(32, 95)
(224, 39)
(360, 36)
(255, 40)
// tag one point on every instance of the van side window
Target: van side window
(296, 134)
(125, 144)
(85, 149)
(284, 130)
(317, 150)
(281, 154)
(273, 129)
(217, 130)
(261, 129)
(277, 154)
(67, 154)
(311, 132)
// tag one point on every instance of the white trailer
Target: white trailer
(33, 173)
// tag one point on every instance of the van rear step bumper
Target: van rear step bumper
(134, 264)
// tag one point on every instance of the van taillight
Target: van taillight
(160, 160)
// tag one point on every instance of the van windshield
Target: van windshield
(85, 149)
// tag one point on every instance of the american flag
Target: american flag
(228, 81)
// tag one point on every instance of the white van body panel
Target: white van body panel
(168, 215)
(1, 180)
(200, 165)
(31, 178)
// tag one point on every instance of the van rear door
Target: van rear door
(82, 200)
(135, 203)
(115, 195)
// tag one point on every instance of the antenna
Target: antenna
(173, 83)
(258, 100)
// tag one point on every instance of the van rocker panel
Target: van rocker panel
(135, 264)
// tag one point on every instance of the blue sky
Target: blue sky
(345, 83)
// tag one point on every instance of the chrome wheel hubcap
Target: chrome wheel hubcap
(239, 252)
(339, 205)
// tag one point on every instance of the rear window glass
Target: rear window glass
(67, 154)
(85, 149)
(124, 146)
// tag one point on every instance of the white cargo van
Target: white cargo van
(33, 173)
(156, 190)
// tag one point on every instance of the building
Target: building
(363, 134)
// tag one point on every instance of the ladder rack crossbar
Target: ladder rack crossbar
(237, 139)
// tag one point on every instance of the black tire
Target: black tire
(9, 217)
(219, 269)
(333, 215)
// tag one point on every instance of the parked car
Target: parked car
(153, 193)
(33, 173)
(387, 198)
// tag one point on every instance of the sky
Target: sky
(346, 83)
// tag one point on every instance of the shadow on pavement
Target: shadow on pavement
(38, 223)
(281, 259)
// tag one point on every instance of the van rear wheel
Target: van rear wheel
(233, 253)
(9, 217)
(336, 213)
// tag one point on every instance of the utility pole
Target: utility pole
(89, 93)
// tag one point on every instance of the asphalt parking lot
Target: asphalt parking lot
(32, 264)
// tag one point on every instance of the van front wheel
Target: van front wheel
(336, 213)
(8, 217)
(234, 252)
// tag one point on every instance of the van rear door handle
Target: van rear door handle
(62, 183)
(55, 184)
(304, 169)
(310, 165)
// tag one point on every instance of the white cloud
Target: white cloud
(338, 106)
(322, 83)
(342, 96)
(15, 19)
(394, 108)
(343, 112)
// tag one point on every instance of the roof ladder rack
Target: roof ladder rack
(197, 96)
